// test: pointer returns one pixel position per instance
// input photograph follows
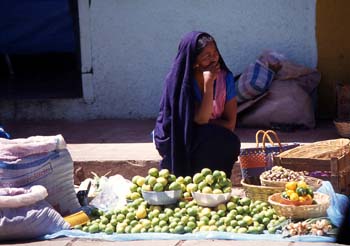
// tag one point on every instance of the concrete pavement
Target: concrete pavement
(125, 146)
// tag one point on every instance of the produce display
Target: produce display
(186, 215)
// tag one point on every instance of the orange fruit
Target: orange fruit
(294, 197)
(292, 185)
(302, 184)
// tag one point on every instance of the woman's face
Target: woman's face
(208, 57)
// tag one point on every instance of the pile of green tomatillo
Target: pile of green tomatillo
(238, 215)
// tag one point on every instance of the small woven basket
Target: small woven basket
(258, 192)
(301, 212)
(314, 183)
(343, 128)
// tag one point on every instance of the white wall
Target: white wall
(131, 44)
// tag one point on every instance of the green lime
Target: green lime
(135, 195)
(231, 205)
(179, 229)
(245, 201)
(191, 224)
(164, 229)
(104, 220)
(133, 187)
(140, 181)
(242, 230)
(233, 223)
(191, 187)
(94, 228)
(153, 172)
(102, 227)
(197, 178)
(201, 185)
(180, 180)
(174, 186)
(146, 187)
(206, 171)
(217, 191)
(172, 178)
(164, 173)
(209, 179)
(248, 220)
(158, 187)
(152, 181)
(192, 211)
(216, 174)
(146, 223)
(221, 213)
(207, 190)
(162, 180)
(227, 190)
(187, 180)
(78, 227)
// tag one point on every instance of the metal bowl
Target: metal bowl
(210, 200)
(162, 197)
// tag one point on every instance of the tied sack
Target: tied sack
(254, 161)
(253, 82)
(40, 160)
(24, 214)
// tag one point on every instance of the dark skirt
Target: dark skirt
(214, 147)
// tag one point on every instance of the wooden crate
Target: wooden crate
(338, 169)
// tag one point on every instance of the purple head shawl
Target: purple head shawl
(173, 129)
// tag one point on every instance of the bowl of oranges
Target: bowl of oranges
(299, 201)
(297, 193)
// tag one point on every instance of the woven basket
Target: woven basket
(321, 150)
(301, 212)
(258, 192)
(314, 183)
(343, 128)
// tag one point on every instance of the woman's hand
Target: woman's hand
(210, 73)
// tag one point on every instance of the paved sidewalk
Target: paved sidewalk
(120, 140)
(125, 146)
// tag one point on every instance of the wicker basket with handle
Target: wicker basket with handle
(254, 161)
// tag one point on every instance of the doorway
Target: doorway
(39, 50)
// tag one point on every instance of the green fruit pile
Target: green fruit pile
(238, 215)
(210, 182)
(158, 180)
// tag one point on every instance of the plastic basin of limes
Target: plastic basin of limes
(161, 197)
(210, 200)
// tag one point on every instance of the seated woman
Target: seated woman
(197, 117)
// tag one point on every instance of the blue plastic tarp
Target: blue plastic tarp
(36, 26)
(188, 236)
